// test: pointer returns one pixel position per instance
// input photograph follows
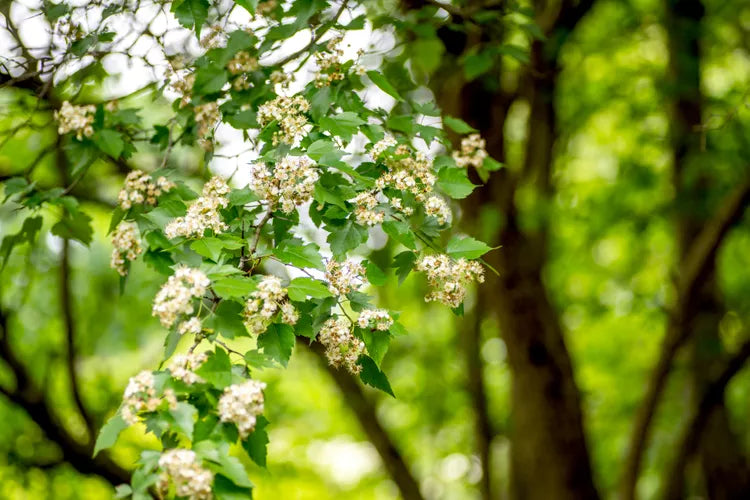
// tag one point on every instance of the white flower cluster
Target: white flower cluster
(176, 295)
(140, 188)
(192, 326)
(407, 172)
(379, 319)
(342, 348)
(191, 480)
(265, 302)
(78, 119)
(472, 152)
(140, 396)
(437, 207)
(242, 62)
(329, 63)
(288, 113)
(364, 212)
(449, 277)
(181, 83)
(382, 145)
(203, 213)
(183, 367)
(290, 184)
(345, 277)
(241, 404)
(206, 117)
(126, 246)
(216, 37)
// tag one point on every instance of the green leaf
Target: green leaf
(458, 125)
(374, 274)
(300, 288)
(184, 416)
(234, 286)
(455, 182)
(404, 263)
(401, 232)
(75, 226)
(372, 376)
(518, 53)
(232, 468)
(377, 343)
(277, 342)
(109, 433)
(227, 320)
(256, 443)
(209, 80)
(345, 238)
(293, 252)
(317, 149)
(427, 54)
(211, 247)
(384, 85)
(225, 489)
(191, 13)
(468, 248)
(217, 369)
(110, 142)
(344, 124)
(26, 234)
(248, 5)
(242, 196)
(477, 64)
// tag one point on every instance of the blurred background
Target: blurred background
(615, 228)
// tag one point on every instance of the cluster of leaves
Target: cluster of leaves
(257, 232)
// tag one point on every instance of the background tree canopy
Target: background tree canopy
(604, 198)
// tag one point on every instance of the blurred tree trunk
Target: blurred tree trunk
(549, 455)
(722, 460)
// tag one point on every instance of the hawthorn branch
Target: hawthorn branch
(368, 419)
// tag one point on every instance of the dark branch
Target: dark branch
(368, 419)
(711, 397)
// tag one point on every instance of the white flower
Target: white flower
(76, 119)
(139, 396)
(242, 62)
(363, 210)
(449, 277)
(127, 247)
(379, 147)
(184, 469)
(176, 296)
(288, 113)
(241, 404)
(291, 182)
(438, 208)
(265, 302)
(472, 152)
(342, 348)
(191, 326)
(183, 367)
(203, 213)
(378, 319)
(345, 277)
(140, 188)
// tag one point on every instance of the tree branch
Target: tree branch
(368, 419)
(28, 397)
(712, 396)
(697, 260)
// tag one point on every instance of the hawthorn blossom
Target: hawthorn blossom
(78, 119)
(265, 302)
(241, 404)
(184, 469)
(140, 188)
(288, 113)
(437, 207)
(291, 182)
(379, 319)
(342, 347)
(345, 277)
(472, 152)
(203, 213)
(183, 367)
(175, 298)
(449, 278)
(364, 212)
(126, 247)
